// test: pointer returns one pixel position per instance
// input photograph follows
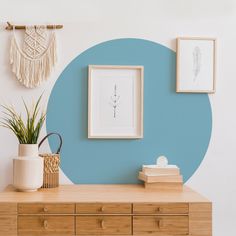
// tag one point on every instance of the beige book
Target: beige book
(164, 186)
(154, 169)
(160, 178)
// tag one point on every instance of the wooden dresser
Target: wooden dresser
(104, 210)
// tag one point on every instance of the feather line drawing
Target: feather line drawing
(196, 62)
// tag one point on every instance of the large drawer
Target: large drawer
(103, 208)
(50, 208)
(8, 225)
(160, 208)
(165, 225)
(46, 225)
(103, 225)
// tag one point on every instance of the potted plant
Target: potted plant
(28, 166)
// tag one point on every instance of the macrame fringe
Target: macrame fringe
(32, 72)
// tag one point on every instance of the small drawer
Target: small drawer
(165, 225)
(103, 225)
(46, 225)
(8, 208)
(38, 208)
(106, 208)
(161, 208)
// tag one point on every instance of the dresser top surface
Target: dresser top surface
(101, 193)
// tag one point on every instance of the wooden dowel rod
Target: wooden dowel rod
(20, 27)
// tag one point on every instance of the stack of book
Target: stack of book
(163, 178)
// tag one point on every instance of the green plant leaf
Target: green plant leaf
(27, 132)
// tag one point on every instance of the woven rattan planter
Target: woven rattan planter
(51, 170)
(51, 165)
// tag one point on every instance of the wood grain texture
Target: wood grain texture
(8, 208)
(49, 208)
(103, 225)
(103, 208)
(200, 219)
(8, 225)
(46, 225)
(169, 225)
(100, 194)
(161, 208)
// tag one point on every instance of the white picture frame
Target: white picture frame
(115, 102)
(195, 65)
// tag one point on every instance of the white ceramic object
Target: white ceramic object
(162, 161)
(28, 150)
(28, 168)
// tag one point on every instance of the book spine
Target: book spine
(149, 171)
(164, 186)
(162, 178)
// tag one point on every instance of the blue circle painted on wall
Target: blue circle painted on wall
(175, 125)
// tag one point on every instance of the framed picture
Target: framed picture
(196, 65)
(115, 102)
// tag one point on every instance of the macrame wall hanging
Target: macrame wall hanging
(33, 63)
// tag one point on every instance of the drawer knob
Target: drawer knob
(159, 223)
(103, 224)
(45, 224)
(45, 209)
(158, 209)
(102, 209)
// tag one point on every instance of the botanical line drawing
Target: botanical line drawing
(196, 62)
(115, 98)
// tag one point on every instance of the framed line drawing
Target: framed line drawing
(195, 65)
(115, 102)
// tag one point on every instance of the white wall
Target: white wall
(88, 22)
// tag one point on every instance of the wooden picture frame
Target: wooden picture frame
(195, 65)
(115, 102)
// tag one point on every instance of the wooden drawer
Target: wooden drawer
(103, 225)
(106, 208)
(8, 208)
(161, 208)
(46, 225)
(163, 225)
(38, 208)
(8, 225)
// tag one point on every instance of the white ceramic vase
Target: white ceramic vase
(28, 168)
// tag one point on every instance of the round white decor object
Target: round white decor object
(162, 161)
